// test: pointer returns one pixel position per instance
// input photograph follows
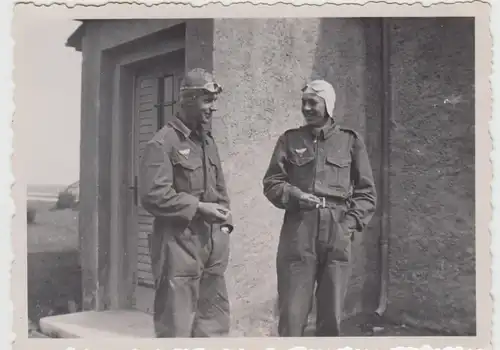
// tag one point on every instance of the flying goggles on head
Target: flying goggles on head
(210, 87)
(324, 90)
(199, 79)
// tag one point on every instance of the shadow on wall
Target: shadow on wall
(432, 171)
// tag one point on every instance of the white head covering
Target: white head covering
(324, 90)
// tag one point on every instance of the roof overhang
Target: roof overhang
(75, 39)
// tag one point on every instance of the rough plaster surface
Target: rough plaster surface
(262, 66)
(432, 246)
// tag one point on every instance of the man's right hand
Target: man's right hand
(308, 201)
(213, 212)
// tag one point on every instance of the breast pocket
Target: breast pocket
(301, 170)
(338, 171)
(188, 174)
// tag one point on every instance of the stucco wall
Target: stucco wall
(262, 65)
(432, 254)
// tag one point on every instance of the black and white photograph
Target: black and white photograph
(294, 173)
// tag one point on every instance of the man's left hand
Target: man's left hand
(349, 227)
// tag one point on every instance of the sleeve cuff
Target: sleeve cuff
(291, 197)
(192, 207)
(295, 192)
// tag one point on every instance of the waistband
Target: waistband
(332, 202)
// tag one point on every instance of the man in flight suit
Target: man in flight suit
(183, 187)
(321, 176)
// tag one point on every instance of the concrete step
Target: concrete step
(99, 324)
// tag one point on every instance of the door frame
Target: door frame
(144, 295)
(124, 63)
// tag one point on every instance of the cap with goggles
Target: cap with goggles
(200, 79)
(324, 90)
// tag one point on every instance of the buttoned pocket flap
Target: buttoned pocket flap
(300, 160)
(191, 163)
(338, 161)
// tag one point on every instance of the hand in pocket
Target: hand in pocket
(341, 250)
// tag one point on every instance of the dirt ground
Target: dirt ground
(54, 282)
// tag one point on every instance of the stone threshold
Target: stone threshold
(99, 324)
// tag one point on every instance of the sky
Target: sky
(47, 98)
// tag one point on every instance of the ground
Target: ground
(54, 281)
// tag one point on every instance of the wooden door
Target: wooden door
(156, 91)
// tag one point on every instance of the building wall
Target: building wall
(432, 245)
(262, 65)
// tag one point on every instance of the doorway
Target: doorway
(156, 91)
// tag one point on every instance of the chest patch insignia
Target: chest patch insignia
(185, 152)
(300, 151)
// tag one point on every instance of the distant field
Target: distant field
(44, 193)
(53, 231)
(53, 189)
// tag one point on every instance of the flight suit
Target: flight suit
(189, 255)
(315, 243)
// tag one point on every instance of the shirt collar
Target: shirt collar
(326, 130)
(179, 125)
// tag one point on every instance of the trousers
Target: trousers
(314, 254)
(191, 297)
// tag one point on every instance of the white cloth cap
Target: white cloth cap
(324, 90)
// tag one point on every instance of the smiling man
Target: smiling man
(183, 187)
(321, 176)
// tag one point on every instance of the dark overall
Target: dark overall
(315, 244)
(189, 256)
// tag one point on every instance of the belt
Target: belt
(331, 202)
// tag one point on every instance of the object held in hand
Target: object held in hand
(322, 204)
